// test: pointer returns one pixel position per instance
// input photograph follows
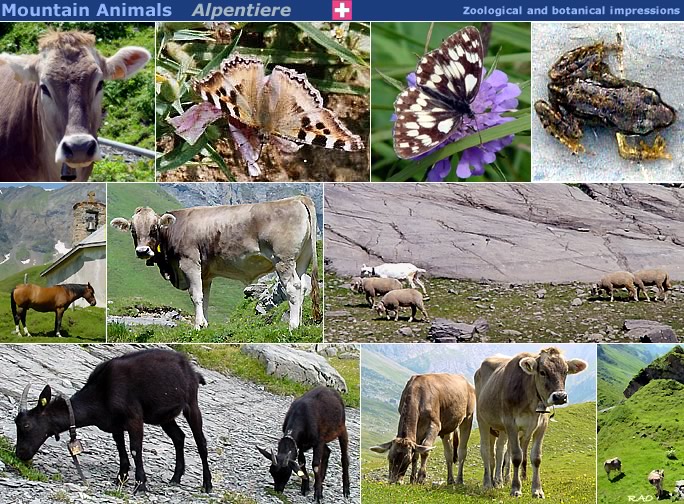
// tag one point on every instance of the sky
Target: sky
(46, 186)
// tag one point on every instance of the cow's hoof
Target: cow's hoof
(538, 494)
(459, 481)
(207, 487)
(516, 493)
(121, 480)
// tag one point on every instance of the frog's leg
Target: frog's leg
(642, 150)
(565, 127)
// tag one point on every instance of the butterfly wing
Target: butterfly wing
(293, 109)
(423, 122)
(447, 81)
(235, 88)
(454, 69)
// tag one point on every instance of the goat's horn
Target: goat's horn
(23, 405)
(273, 457)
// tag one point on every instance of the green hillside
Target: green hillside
(568, 466)
(646, 432)
(10, 282)
(617, 364)
(132, 284)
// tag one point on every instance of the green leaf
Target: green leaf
(183, 153)
(219, 161)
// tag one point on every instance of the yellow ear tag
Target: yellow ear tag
(300, 473)
(159, 248)
(43, 402)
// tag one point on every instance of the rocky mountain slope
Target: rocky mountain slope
(235, 194)
(33, 220)
(506, 232)
(237, 416)
(668, 367)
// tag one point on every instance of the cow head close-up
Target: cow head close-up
(549, 370)
(400, 453)
(69, 73)
(145, 227)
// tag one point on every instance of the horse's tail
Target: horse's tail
(14, 307)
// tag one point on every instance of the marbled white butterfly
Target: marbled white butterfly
(447, 81)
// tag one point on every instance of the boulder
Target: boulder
(446, 331)
(303, 367)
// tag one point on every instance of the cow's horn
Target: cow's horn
(23, 405)
(273, 457)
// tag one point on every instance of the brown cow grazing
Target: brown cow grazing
(513, 397)
(431, 405)
(51, 106)
(656, 478)
(46, 299)
(192, 246)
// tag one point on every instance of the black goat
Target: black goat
(313, 420)
(151, 386)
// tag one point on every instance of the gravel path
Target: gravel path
(237, 416)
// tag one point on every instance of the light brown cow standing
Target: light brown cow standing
(51, 106)
(656, 478)
(192, 246)
(513, 397)
(431, 405)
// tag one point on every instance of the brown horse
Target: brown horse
(45, 299)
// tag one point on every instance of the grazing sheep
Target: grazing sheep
(374, 286)
(658, 277)
(679, 490)
(400, 271)
(618, 280)
(393, 300)
(656, 478)
(613, 464)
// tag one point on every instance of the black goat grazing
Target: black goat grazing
(152, 386)
(313, 420)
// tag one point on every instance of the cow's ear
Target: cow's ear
(423, 449)
(382, 448)
(166, 220)
(24, 66)
(121, 224)
(528, 365)
(576, 366)
(126, 62)
(44, 398)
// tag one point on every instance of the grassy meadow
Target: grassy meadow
(646, 432)
(567, 470)
(504, 306)
(135, 288)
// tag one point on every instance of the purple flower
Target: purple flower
(495, 97)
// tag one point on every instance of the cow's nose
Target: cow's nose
(78, 151)
(144, 252)
(559, 397)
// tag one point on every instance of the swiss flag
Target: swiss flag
(341, 10)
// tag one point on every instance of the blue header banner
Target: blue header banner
(338, 10)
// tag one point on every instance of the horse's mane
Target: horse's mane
(76, 289)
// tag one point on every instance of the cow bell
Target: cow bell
(68, 173)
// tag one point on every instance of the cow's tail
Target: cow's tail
(315, 291)
(14, 307)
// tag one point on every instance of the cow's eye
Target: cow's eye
(27, 426)
(543, 374)
(99, 86)
(44, 89)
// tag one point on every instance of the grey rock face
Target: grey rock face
(237, 416)
(297, 365)
(514, 233)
